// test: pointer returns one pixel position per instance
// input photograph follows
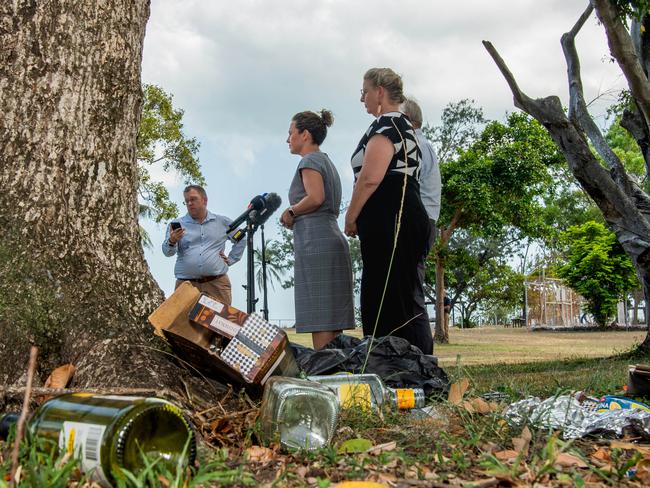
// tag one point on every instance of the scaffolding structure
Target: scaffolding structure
(550, 303)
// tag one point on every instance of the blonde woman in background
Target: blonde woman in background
(386, 204)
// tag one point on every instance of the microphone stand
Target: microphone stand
(250, 288)
(266, 302)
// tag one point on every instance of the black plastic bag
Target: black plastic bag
(395, 360)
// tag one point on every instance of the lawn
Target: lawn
(490, 345)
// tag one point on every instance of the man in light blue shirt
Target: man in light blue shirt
(430, 184)
(199, 244)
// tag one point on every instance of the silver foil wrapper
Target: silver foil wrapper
(577, 418)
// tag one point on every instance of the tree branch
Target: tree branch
(577, 106)
(617, 205)
(578, 111)
(622, 49)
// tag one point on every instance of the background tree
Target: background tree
(161, 141)
(494, 185)
(597, 268)
(473, 270)
(73, 278)
(460, 125)
(624, 205)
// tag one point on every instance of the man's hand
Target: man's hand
(176, 235)
(224, 257)
(286, 219)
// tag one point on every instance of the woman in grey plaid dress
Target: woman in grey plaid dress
(322, 268)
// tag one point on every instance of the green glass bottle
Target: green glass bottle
(111, 433)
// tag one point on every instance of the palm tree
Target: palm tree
(275, 271)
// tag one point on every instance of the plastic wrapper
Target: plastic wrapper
(579, 416)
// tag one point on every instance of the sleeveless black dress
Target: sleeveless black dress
(399, 314)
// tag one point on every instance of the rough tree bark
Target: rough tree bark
(623, 204)
(441, 331)
(70, 98)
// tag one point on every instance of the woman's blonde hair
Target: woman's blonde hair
(388, 80)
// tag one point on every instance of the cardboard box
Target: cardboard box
(191, 342)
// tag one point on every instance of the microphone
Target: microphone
(272, 203)
(260, 207)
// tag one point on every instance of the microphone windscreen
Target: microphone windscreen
(257, 203)
(273, 202)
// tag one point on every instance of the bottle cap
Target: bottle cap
(6, 421)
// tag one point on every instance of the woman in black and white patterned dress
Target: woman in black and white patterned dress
(322, 266)
(386, 204)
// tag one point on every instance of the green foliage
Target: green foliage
(627, 150)
(565, 205)
(494, 191)
(597, 267)
(635, 9)
(499, 180)
(459, 129)
(161, 140)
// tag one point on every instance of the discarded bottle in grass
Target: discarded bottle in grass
(112, 433)
(300, 414)
(368, 391)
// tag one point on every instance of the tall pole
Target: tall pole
(265, 310)
(250, 281)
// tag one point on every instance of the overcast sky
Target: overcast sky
(240, 70)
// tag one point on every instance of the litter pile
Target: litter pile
(231, 346)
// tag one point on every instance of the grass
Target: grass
(498, 345)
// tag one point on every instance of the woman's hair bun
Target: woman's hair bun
(327, 117)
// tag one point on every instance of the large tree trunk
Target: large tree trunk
(73, 272)
(623, 204)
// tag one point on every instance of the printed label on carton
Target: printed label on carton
(224, 327)
(211, 303)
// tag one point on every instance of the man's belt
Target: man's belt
(204, 279)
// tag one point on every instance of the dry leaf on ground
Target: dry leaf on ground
(602, 455)
(507, 455)
(486, 483)
(567, 460)
(60, 377)
(522, 443)
(478, 405)
(467, 405)
(457, 390)
(643, 449)
(259, 454)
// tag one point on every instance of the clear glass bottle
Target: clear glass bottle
(300, 414)
(369, 391)
(110, 433)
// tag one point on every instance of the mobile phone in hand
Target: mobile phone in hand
(175, 225)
